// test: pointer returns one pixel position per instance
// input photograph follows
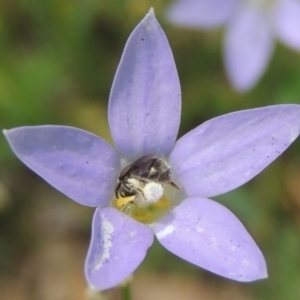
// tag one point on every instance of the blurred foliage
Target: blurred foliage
(58, 59)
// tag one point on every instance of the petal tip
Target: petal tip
(150, 18)
(4, 131)
(9, 134)
(151, 12)
(259, 272)
(264, 274)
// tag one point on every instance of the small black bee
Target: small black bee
(144, 177)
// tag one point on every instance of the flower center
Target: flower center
(140, 188)
(148, 214)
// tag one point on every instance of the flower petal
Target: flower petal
(248, 48)
(118, 245)
(145, 101)
(225, 152)
(286, 21)
(208, 235)
(76, 162)
(201, 13)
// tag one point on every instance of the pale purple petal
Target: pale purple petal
(201, 13)
(76, 162)
(248, 47)
(145, 101)
(225, 152)
(286, 21)
(208, 235)
(118, 246)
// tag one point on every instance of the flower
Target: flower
(144, 116)
(251, 28)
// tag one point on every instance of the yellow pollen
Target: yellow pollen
(147, 214)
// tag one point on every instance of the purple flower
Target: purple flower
(144, 116)
(252, 26)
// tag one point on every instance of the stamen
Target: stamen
(123, 201)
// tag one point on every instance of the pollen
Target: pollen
(151, 193)
(145, 214)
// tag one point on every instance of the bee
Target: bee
(142, 181)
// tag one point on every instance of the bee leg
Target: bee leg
(123, 201)
(175, 185)
(141, 191)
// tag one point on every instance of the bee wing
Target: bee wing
(140, 167)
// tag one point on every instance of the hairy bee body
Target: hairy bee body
(144, 178)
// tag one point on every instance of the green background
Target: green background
(57, 63)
